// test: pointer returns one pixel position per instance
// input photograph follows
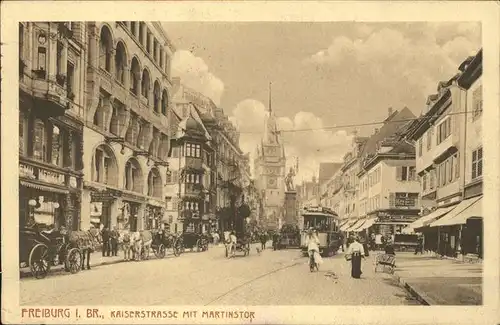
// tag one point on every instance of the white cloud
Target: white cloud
(195, 74)
(311, 146)
(417, 55)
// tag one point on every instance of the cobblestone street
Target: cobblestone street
(208, 278)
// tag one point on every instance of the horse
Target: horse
(125, 239)
(142, 241)
(85, 241)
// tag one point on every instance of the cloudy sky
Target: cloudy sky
(323, 75)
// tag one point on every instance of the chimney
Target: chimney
(389, 111)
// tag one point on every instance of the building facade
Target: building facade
(51, 114)
(269, 168)
(126, 125)
(449, 162)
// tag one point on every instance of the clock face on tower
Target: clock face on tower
(271, 182)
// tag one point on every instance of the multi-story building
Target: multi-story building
(188, 102)
(51, 113)
(332, 195)
(447, 159)
(350, 169)
(388, 188)
(126, 124)
(269, 168)
(191, 160)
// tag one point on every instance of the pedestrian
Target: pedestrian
(420, 246)
(356, 252)
(263, 240)
(216, 238)
(113, 239)
(105, 241)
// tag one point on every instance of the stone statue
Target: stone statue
(289, 180)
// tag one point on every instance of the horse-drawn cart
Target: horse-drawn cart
(192, 240)
(42, 249)
(242, 245)
(163, 241)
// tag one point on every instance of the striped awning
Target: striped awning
(458, 215)
(44, 187)
(348, 224)
(355, 225)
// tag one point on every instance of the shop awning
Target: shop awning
(425, 220)
(355, 225)
(359, 225)
(44, 187)
(461, 213)
(348, 224)
(343, 223)
(368, 223)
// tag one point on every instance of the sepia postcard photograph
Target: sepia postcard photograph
(250, 162)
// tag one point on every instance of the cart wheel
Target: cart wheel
(73, 260)
(198, 245)
(39, 261)
(160, 252)
(177, 249)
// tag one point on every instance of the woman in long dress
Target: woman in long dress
(357, 252)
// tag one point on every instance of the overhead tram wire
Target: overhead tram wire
(347, 126)
(344, 126)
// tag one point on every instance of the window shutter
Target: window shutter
(399, 173)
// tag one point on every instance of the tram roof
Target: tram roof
(319, 211)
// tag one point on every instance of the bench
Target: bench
(387, 261)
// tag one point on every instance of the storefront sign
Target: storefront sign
(50, 177)
(26, 171)
(384, 217)
(405, 200)
(101, 196)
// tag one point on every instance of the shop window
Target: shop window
(57, 146)
(477, 163)
(40, 143)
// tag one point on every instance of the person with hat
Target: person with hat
(356, 252)
(313, 245)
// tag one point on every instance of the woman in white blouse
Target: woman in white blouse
(357, 252)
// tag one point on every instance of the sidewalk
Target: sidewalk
(437, 281)
(96, 259)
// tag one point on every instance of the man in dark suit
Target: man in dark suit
(105, 241)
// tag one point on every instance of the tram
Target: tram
(325, 222)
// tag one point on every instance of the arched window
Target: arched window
(135, 74)
(157, 97)
(164, 102)
(105, 49)
(120, 61)
(154, 183)
(105, 169)
(145, 84)
(133, 176)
